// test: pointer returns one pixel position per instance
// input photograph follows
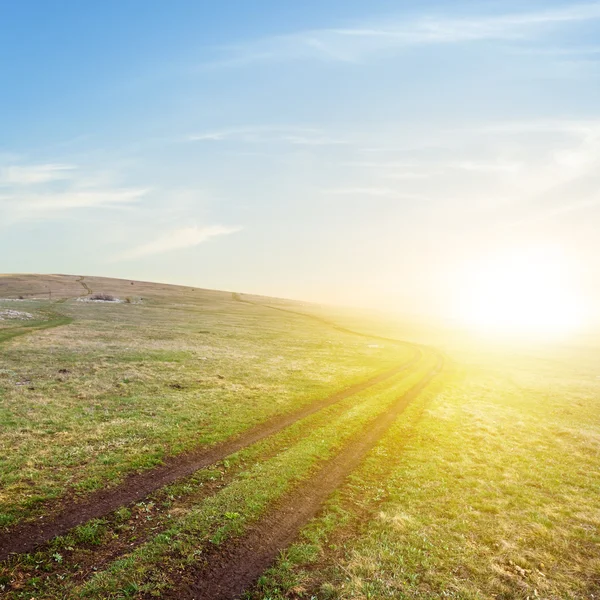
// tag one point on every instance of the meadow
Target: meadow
(374, 467)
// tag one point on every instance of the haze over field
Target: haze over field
(387, 154)
(174, 442)
(299, 300)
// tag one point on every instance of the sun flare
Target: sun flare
(520, 293)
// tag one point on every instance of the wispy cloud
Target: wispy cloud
(299, 140)
(557, 163)
(546, 214)
(177, 239)
(372, 192)
(510, 172)
(81, 199)
(577, 51)
(55, 205)
(354, 43)
(478, 166)
(34, 174)
(210, 136)
(418, 170)
(51, 190)
(577, 127)
(300, 136)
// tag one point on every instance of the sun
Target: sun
(520, 292)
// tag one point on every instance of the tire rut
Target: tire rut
(70, 513)
(232, 568)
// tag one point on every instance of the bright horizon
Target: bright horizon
(439, 160)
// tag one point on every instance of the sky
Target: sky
(361, 153)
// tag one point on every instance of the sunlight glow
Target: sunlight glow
(522, 293)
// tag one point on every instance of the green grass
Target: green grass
(189, 521)
(487, 487)
(227, 513)
(494, 495)
(120, 387)
(9, 332)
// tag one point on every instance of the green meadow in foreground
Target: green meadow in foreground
(487, 485)
(493, 493)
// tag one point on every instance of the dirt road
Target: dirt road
(231, 568)
(72, 512)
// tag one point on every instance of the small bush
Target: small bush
(104, 297)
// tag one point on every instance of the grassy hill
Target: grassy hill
(146, 439)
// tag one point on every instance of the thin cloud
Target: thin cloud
(353, 44)
(83, 199)
(405, 170)
(376, 192)
(485, 167)
(576, 127)
(45, 206)
(35, 174)
(299, 136)
(383, 164)
(577, 51)
(312, 141)
(558, 211)
(51, 190)
(215, 136)
(177, 239)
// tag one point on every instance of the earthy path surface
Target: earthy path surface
(86, 287)
(230, 569)
(70, 513)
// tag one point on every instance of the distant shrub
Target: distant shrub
(127, 300)
(104, 297)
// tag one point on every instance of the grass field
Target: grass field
(485, 486)
(494, 495)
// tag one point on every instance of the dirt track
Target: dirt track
(86, 287)
(70, 513)
(230, 569)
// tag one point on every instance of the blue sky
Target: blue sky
(341, 151)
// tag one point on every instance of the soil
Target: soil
(228, 570)
(72, 511)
